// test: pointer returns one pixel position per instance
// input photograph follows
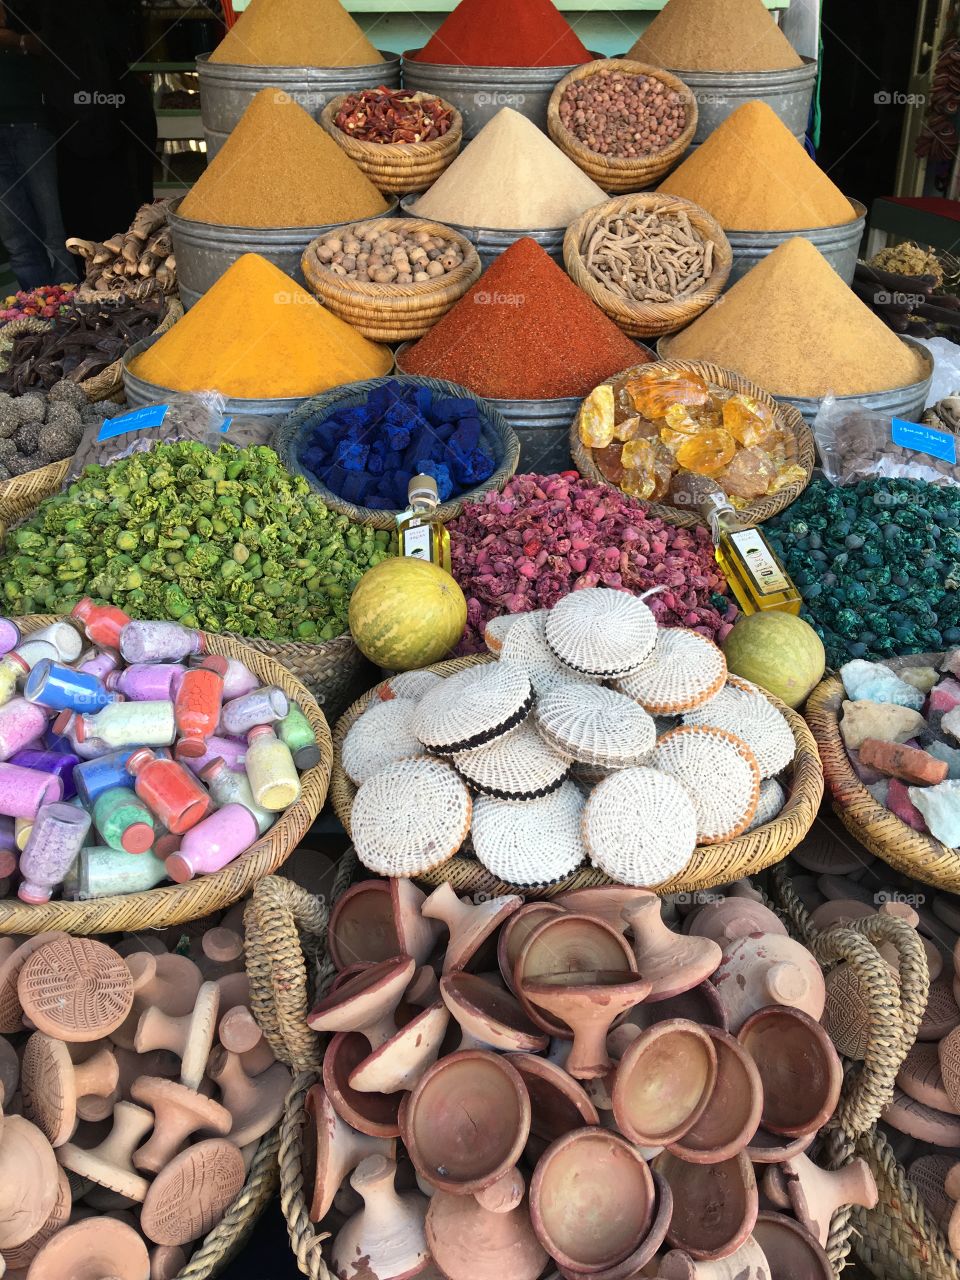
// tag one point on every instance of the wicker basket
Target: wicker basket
(647, 319)
(614, 173)
(913, 852)
(173, 904)
(398, 167)
(802, 450)
(23, 494)
(710, 865)
(393, 312)
(497, 435)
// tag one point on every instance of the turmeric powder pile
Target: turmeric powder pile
(257, 335)
(279, 168)
(295, 33)
(753, 175)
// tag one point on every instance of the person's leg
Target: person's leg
(18, 221)
(37, 150)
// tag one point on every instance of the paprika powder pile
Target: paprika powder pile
(524, 332)
(295, 33)
(505, 33)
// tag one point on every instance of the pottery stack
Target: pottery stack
(570, 1083)
(135, 1089)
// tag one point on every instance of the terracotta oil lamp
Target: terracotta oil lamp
(374, 1114)
(423, 988)
(398, 1063)
(730, 1190)
(636, 1263)
(417, 933)
(168, 982)
(365, 1003)
(469, 925)
(189, 1036)
(28, 1180)
(732, 1114)
(489, 1017)
(771, 1148)
(604, 902)
(700, 1004)
(790, 1250)
(589, 1003)
(799, 1067)
(671, 962)
(52, 1083)
(765, 969)
(816, 1194)
(93, 1249)
(469, 1242)
(388, 1232)
(558, 1103)
(515, 933)
(664, 1082)
(361, 927)
(731, 918)
(331, 1150)
(746, 1263)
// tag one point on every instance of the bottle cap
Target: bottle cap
(178, 868)
(82, 609)
(422, 487)
(167, 845)
(216, 663)
(138, 837)
(18, 661)
(190, 749)
(140, 757)
(62, 723)
(212, 768)
(259, 730)
(33, 893)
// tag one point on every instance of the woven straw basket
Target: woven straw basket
(496, 434)
(647, 319)
(898, 1240)
(801, 450)
(398, 167)
(913, 852)
(23, 494)
(710, 865)
(614, 173)
(393, 312)
(173, 904)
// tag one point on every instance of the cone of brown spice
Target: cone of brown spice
(715, 35)
(295, 33)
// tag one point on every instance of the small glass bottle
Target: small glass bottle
(238, 680)
(57, 837)
(229, 786)
(757, 578)
(197, 706)
(126, 724)
(93, 777)
(100, 663)
(23, 791)
(297, 732)
(148, 682)
(66, 640)
(158, 642)
(422, 533)
(20, 723)
(101, 622)
(123, 820)
(100, 871)
(9, 635)
(233, 750)
(263, 706)
(62, 763)
(34, 651)
(170, 790)
(59, 688)
(13, 669)
(214, 842)
(270, 769)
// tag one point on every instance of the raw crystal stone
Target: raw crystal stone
(875, 682)
(885, 720)
(864, 772)
(707, 453)
(922, 678)
(880, 791)
(609, 463)
(751, 422)
(749, 475)
(950, 723)
(597, 417)
(950, 754)
(940, 807)
(899, 802)
(951, 662)
(945, 696)
(653, 393)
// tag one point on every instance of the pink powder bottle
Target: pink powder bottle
(23, 791)
(20, 723)
(214, 842)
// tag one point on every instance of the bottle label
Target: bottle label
(416, 541)
(759, 563)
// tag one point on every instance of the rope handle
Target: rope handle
(305, 1238)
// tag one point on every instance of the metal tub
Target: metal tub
(205, 250)
(227, 90)
(720, 93)
(839, 245)
(490, 242)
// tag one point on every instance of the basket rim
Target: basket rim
(432, 149)
(754, 511)
(745, 854)
(174, 904)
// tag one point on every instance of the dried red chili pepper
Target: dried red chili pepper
(393, 115)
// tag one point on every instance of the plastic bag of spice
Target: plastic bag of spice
(856, 443)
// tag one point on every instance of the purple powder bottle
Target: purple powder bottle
(20, 723)
(158, 642)
(148, 682)
(57, 837)
(238, 680)
(9, 635)
(62, 763)
(23, 791)
(233, 751)
(100, 663)
(264, 706)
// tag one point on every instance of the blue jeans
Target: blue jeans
(30, 224)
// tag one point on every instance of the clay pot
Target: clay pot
(591, 1200)
(388, 1232)
(790, 1250)
(11, 1010)
(190, 1036)
(467, 1122)
(191, 1195)
(746, 1263)
(331, 1150)
(700, 1004)
(516, 931)
(52, 1084)
(94, 1249)
(489, 1017)
(787, 1047)
(361, 927)
(636, 1263)
(816, 1194)
(423, 988)
(589, 1003)
(255, 1103)
(671, 962)
(75, 989)
(417, 934)
(765, 969)
(731, 918)
(374, 1114)
(729, 1188)
(398, 1064)
(770, 1148)
(168, 982)
(468, 1242)
(558, 1103)
(604, 902)
(178, 1113)
(20, 1257)
(28, 1180)
(732, 1114)
(469, 924)
(926, 1124)
(110, 1162)
(664, 1082)
(365, 1003)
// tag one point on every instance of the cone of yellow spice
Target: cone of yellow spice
(295, 33)
(256, 335)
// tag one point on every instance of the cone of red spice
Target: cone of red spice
(524, 332)
(505, 33)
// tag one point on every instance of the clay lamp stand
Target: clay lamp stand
(469, 924)
(728, 1187)
(418, 934)
(94, 1249)
(638, 1263)
(732, 1114)
(816, 1194)
(489, 1017)
(589, 1003)
(388, 1232)
(790, 1250)
(465, 1126)
(671, 962)
(603, 902)
(765, 969)
(664, 1083)
(254, 1102)
(423, 989)
(52, 1084)
(9, 1072)
(11, 1010)
(331, 1150)
(515, 933)
(110, 1164)
(591, 1200)
(557, 1103)
(75, 989)
(361, 927)
(178, 1113)
(28, 1180)
(18, 1259)
(468, 1242)
(374, 1114)
(238, 1032)
(365, 1002)
(731, 918)
(167, 982)
(799, 1068)
(747, 1261)
(221, 952)
(190, 1036)
(193, 1192)
(700, 1004)
(398, 1064)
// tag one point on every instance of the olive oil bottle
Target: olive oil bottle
(757, 578)
(422, 533)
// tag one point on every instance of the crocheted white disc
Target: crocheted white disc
(477, 705)
(752, 717)
(536, 842)
(772, 799)
(640, 826)
(684, 670)
(495, 632)
(410, 684)
(720, 772)
(526, 646)
(383, 733)
(410, 816)
(595, 725)
(601, 632)
(518, 767)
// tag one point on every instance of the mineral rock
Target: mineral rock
(951, 662)
(922, 678)
(875, 682)
(880, 791)
(950, 723)
(885, 720)
(951, 755)
(899, 802)
(945, 696)
(940, 806)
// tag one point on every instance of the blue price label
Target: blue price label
(151, 415)
(921, 439)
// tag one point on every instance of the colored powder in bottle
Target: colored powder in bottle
(544, 341)
(57, 836)
(295, 33)
(715, 35)
(505, 33)
(262, 706)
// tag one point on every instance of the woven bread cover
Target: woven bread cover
(495, 632)
(771, 801)
(526, 647)
(520, 766)
(410, 817)
(741, 709)
(536, 842)
(601, 632)
(474, 706)
(640, 826)
(383, 734)
(595, 725)
(410, 684)
(684, 670)
(721, 774)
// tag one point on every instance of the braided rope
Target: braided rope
(305, 1240)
